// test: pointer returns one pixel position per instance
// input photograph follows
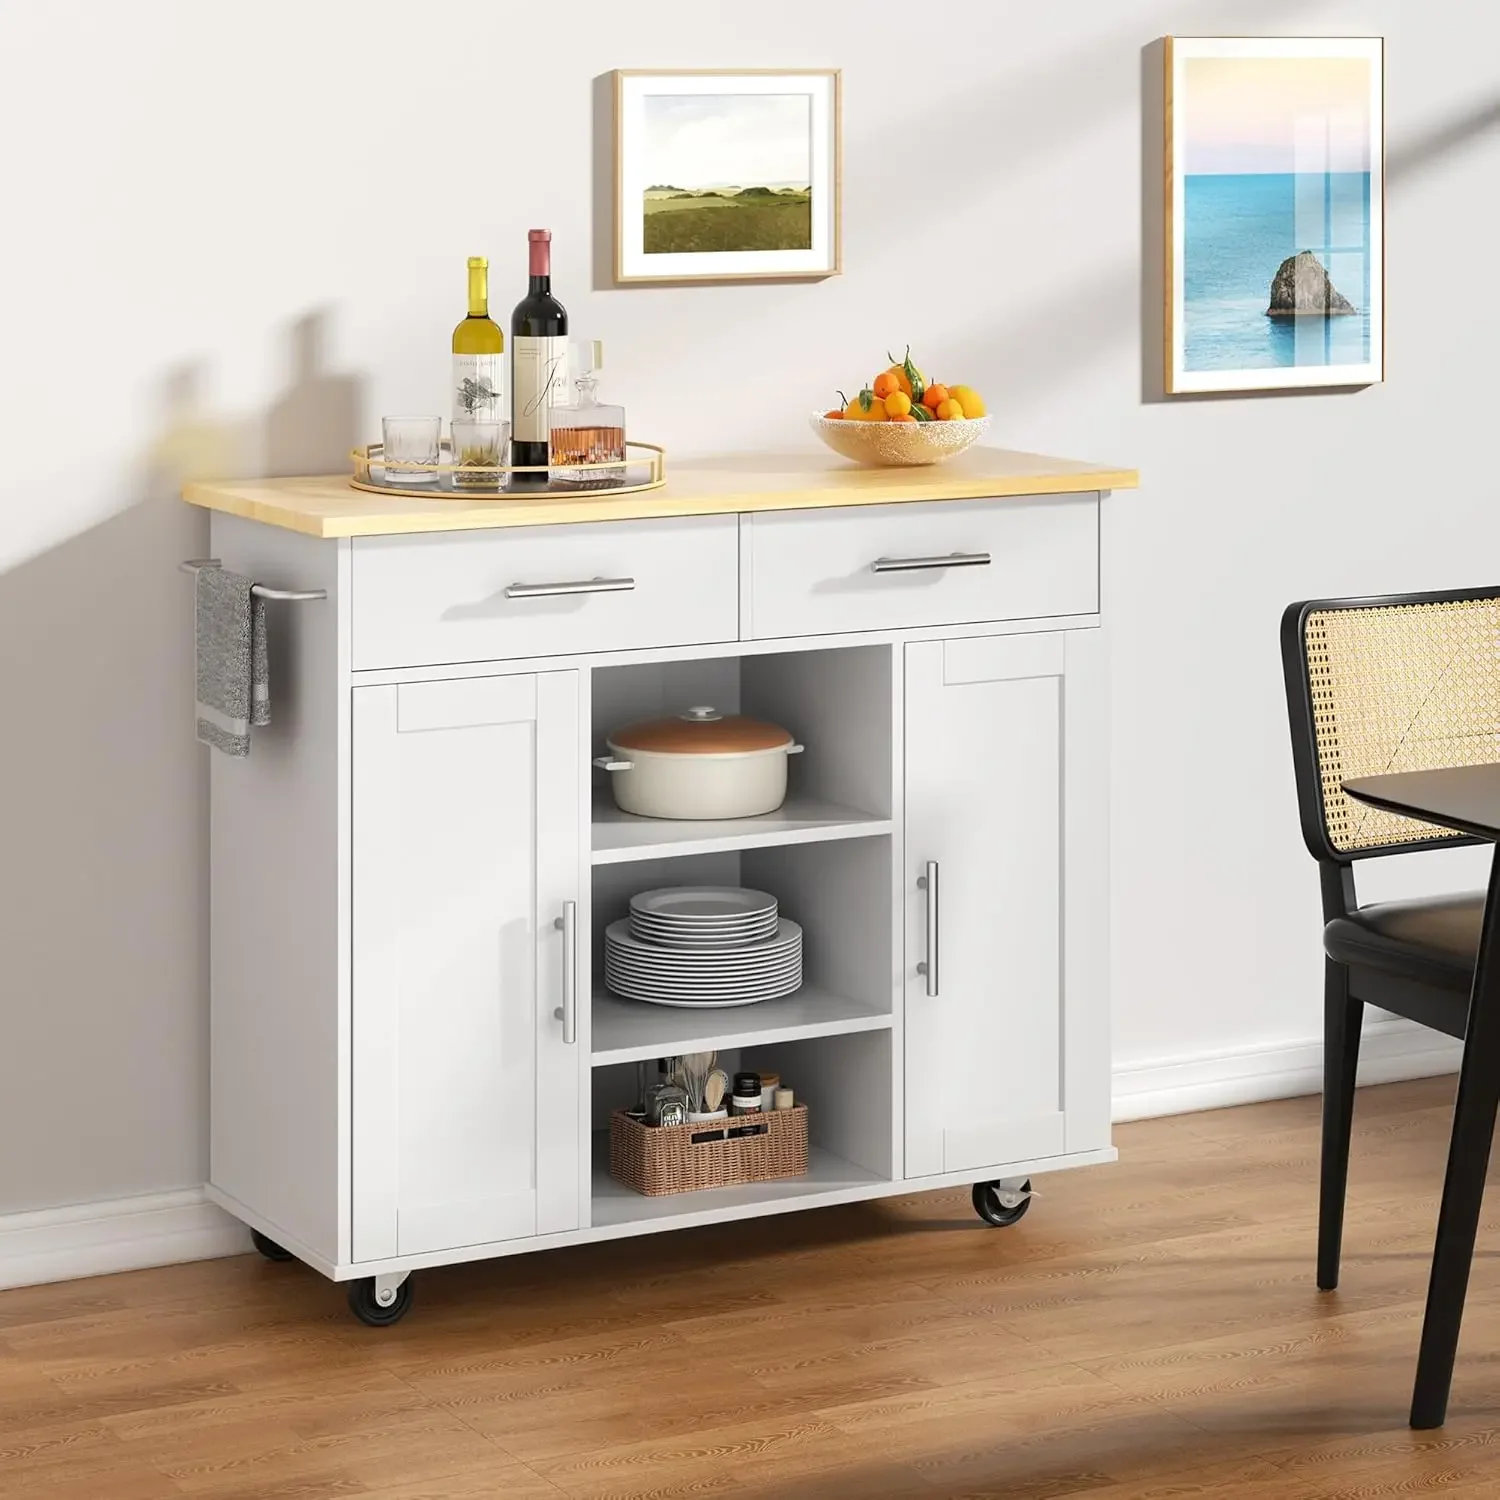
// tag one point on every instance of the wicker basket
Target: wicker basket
(660, 1159)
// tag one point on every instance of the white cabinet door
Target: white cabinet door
(1007, 1020)
(466, 851)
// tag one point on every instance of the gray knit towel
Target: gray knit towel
(233, 674)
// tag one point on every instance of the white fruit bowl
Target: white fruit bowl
(896, 443)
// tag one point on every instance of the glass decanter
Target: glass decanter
(587, 433)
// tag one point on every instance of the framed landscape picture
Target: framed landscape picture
(726, 176)
(1275, 198)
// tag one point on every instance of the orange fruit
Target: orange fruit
(949, 411)
(886, 383)
(935, 396)
(909, 378)
(897, 404)
(865, 407)
(904, 416)
(836, 415)
(968, 398)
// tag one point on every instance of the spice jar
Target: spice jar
(769, 1083)
(746, 1097)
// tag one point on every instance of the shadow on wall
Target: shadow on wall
(315, 421)
(103, 888)
(102, 900)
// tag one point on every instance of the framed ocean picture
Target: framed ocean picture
(1275, 202)
(726, 176)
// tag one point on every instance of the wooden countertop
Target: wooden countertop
(326, 506)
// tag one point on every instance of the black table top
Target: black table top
(1463, 797)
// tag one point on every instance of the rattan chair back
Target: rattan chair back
(1407, 682)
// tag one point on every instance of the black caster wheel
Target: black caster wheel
(269, 1248)
(988, 1206)
(363, 1305)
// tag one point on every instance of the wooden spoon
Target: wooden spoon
(714, 1087)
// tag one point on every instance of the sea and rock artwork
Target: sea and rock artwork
(1275, 213)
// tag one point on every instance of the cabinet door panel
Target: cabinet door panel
(465, 847)
(996, 1060)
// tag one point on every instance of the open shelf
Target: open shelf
(630, 1031)
(836, 702)
(829, 1178)
(619, 837)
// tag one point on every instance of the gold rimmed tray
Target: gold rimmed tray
(644, 467)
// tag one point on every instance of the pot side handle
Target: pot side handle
(795, 749)
(609, 763)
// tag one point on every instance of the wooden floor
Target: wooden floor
(1150, 1329)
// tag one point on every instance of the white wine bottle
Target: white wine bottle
(479, 354)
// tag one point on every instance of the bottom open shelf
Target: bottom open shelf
(829, 1178)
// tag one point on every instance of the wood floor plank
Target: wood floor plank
(1149, 1330)
(586, 1394)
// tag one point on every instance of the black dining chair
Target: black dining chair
(1404, 682)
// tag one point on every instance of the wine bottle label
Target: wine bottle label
(479, 387)
(541, 376)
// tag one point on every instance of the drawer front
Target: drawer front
(883, 567)
(541, 591)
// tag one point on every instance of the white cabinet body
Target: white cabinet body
(413, 1056)
(466, 801)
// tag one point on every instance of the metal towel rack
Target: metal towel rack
(297, 596)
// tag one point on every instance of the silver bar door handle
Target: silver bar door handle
(929, 965)
(567, 924)
(576, 586)
(920, 564)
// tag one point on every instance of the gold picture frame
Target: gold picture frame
(649, 149)
(1293, 171)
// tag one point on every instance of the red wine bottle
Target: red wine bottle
(539, 351)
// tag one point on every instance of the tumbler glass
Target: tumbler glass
(411, 440)
(482, 443)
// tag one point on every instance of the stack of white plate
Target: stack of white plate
(703, 946)
(703, 916)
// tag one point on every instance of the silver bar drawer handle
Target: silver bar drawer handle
(577, 586)
(929, 966)
(567, 1013)
(919, 564)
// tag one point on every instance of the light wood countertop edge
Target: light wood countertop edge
(555, 510)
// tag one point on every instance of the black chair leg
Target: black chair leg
(1342, 1017)
(1463, 1186)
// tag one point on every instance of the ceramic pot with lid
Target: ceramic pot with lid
(700, 764)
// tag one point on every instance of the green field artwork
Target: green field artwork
(728, 172)
(752, 218)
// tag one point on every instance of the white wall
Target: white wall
(236, 234)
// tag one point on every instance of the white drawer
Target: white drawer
(539, 591)
(820, 572)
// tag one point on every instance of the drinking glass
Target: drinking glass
(411, 440)
(479, 442)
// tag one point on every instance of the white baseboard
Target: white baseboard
(163, 1229)
(118, 1234)
(1390, 1049)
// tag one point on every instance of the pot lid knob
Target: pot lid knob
(701, 715)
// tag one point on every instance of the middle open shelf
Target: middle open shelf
(625, 1031)
(621, 837)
